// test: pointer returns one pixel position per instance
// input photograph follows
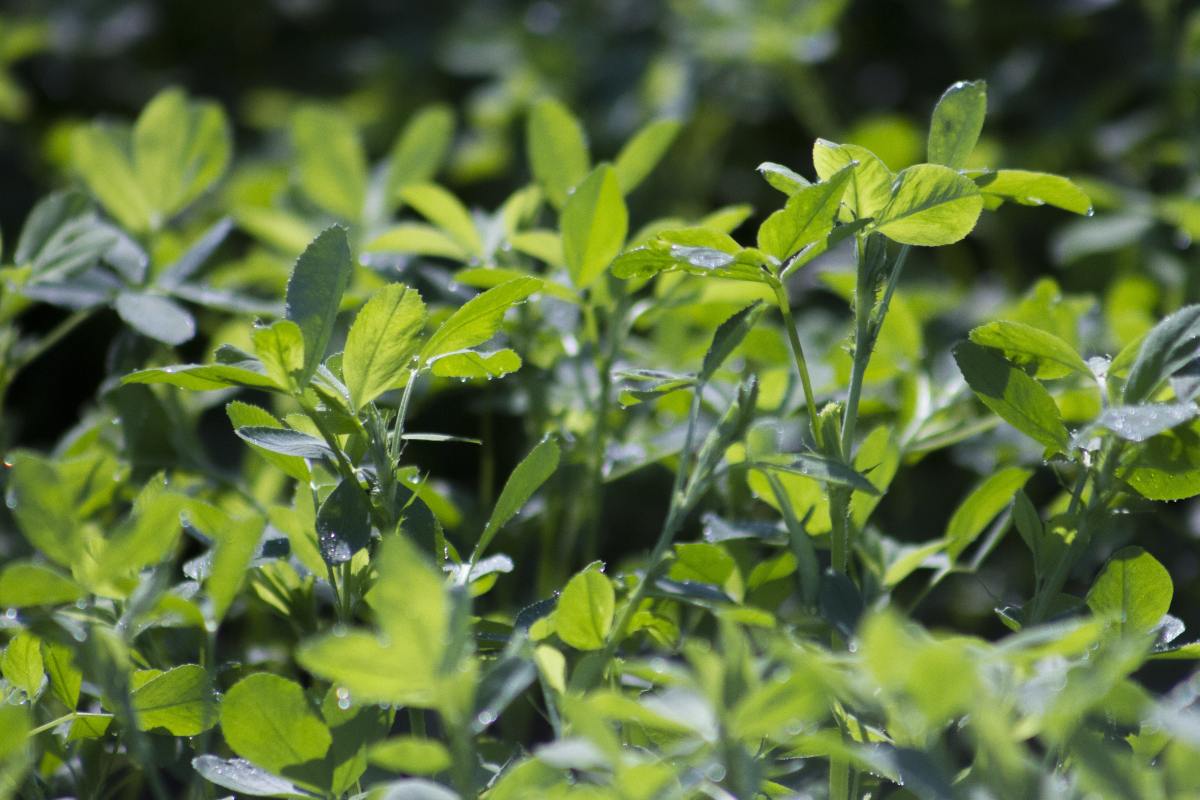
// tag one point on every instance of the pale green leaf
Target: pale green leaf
(584, 615)
(446, 212)
(558, 153)
(330, 163)
(383, 343)
(931, 205)
(594, 224)
(642, 153)
(957, 122)
(478, 319)
(179, 701)
(1134, 589)
(1012, 395)
(268, 721)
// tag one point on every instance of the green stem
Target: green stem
(675, 516)
(781, 299)
(54, 723)
(56, 334)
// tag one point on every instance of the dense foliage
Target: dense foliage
(583, 486)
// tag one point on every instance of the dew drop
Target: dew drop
(1091, 212)
(485, 718)
(79, 635)
(10, 614)
(339, 631)
(10, 500)
(343, 698)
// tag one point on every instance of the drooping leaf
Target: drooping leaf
(642, 153)
(202, 377)
(268, 721)
(1035, 189)
(1012, 395)
(383, 342)
(558, 154)
(782, 178)
(957, 122)
(594, 224)
(584, 614)
(807, 217)
(931, 205)
(528, 476)
(474, 365)
(478, 319)
(239, 775)
(344, 522)
(331, 166)
(315, 290)
(1133, 588)
(1031, 348)
(981, 506)
(180, 701)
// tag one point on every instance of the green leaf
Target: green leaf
(410, 754)
(236, 543)
(558, 153)
(156, 316)
(1133, 588)
(594, 223)
(1039, 352)
(478, 319)
(147, 536)
(1168, 346)
(202, 377)
(418, 239)
(446, 212)
(1139, 423)
(728, 336)
(383, 343)
(22, 663)
(286, 441)
(807, 217)
(420, 149)
(1035, 189)
(43, 509)
(782, 178)
(315, 290)
(65, 678)
(344, 522)
(180, 701)
(239, 775)
(870, 188)
(101, 156)
(268, 721)
(1166, 466)
(330, 163)
(473, 365)
(1012, 395)
(957, 122)
(528, 476)
(584, 614)
(245, 415)
(826, 470)
(641, 154)
(46, 221)
(28, 583)
(981, 506)
(370, 670)
(280, 348)
(180, 148)
(931, 205)
(410, 600)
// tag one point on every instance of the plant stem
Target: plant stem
(54, 723)
(675, 516)
(781, 299)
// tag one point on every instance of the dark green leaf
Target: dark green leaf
(1133, 588)
(728, 336)
(344, 522)
(286, 441)
(315, 290)
(529, 475)
(1011, 394)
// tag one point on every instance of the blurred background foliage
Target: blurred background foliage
(1105, 92)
